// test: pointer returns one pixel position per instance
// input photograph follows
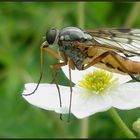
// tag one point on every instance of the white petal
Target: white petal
(46, 96)
(126, 96)
(122, 78)
(62, 110)
(77, 74)
(84, 104)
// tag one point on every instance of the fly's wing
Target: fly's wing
(124, 41)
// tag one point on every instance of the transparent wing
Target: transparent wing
(127, 41)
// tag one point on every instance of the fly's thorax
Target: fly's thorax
(73, 34)
(74, 53)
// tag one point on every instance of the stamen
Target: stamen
(98, 81)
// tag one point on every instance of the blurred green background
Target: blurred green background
(22, 26)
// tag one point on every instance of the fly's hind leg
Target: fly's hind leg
(96, 60)
(105, 54)
(54, 73)
(127, 71)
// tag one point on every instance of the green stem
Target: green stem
(139, 135)
(121, 124)
(84, 128)
(80, 14)
(133, 15)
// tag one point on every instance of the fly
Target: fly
(110, 49)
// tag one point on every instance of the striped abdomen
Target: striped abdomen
(110, 64)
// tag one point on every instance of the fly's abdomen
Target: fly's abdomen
(132, 67)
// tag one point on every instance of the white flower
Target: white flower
(97, 92)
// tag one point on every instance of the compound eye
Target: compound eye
(51, 35)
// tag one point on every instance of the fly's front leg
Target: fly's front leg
(52, 53)
(58, 65)
(44, 47)
(55, 67)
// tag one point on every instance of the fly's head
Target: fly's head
(51, 37)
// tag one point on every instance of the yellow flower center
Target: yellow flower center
(98, 81)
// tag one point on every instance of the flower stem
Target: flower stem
(133, 15)
(80, 14)
(121, 124)
(84, 128)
